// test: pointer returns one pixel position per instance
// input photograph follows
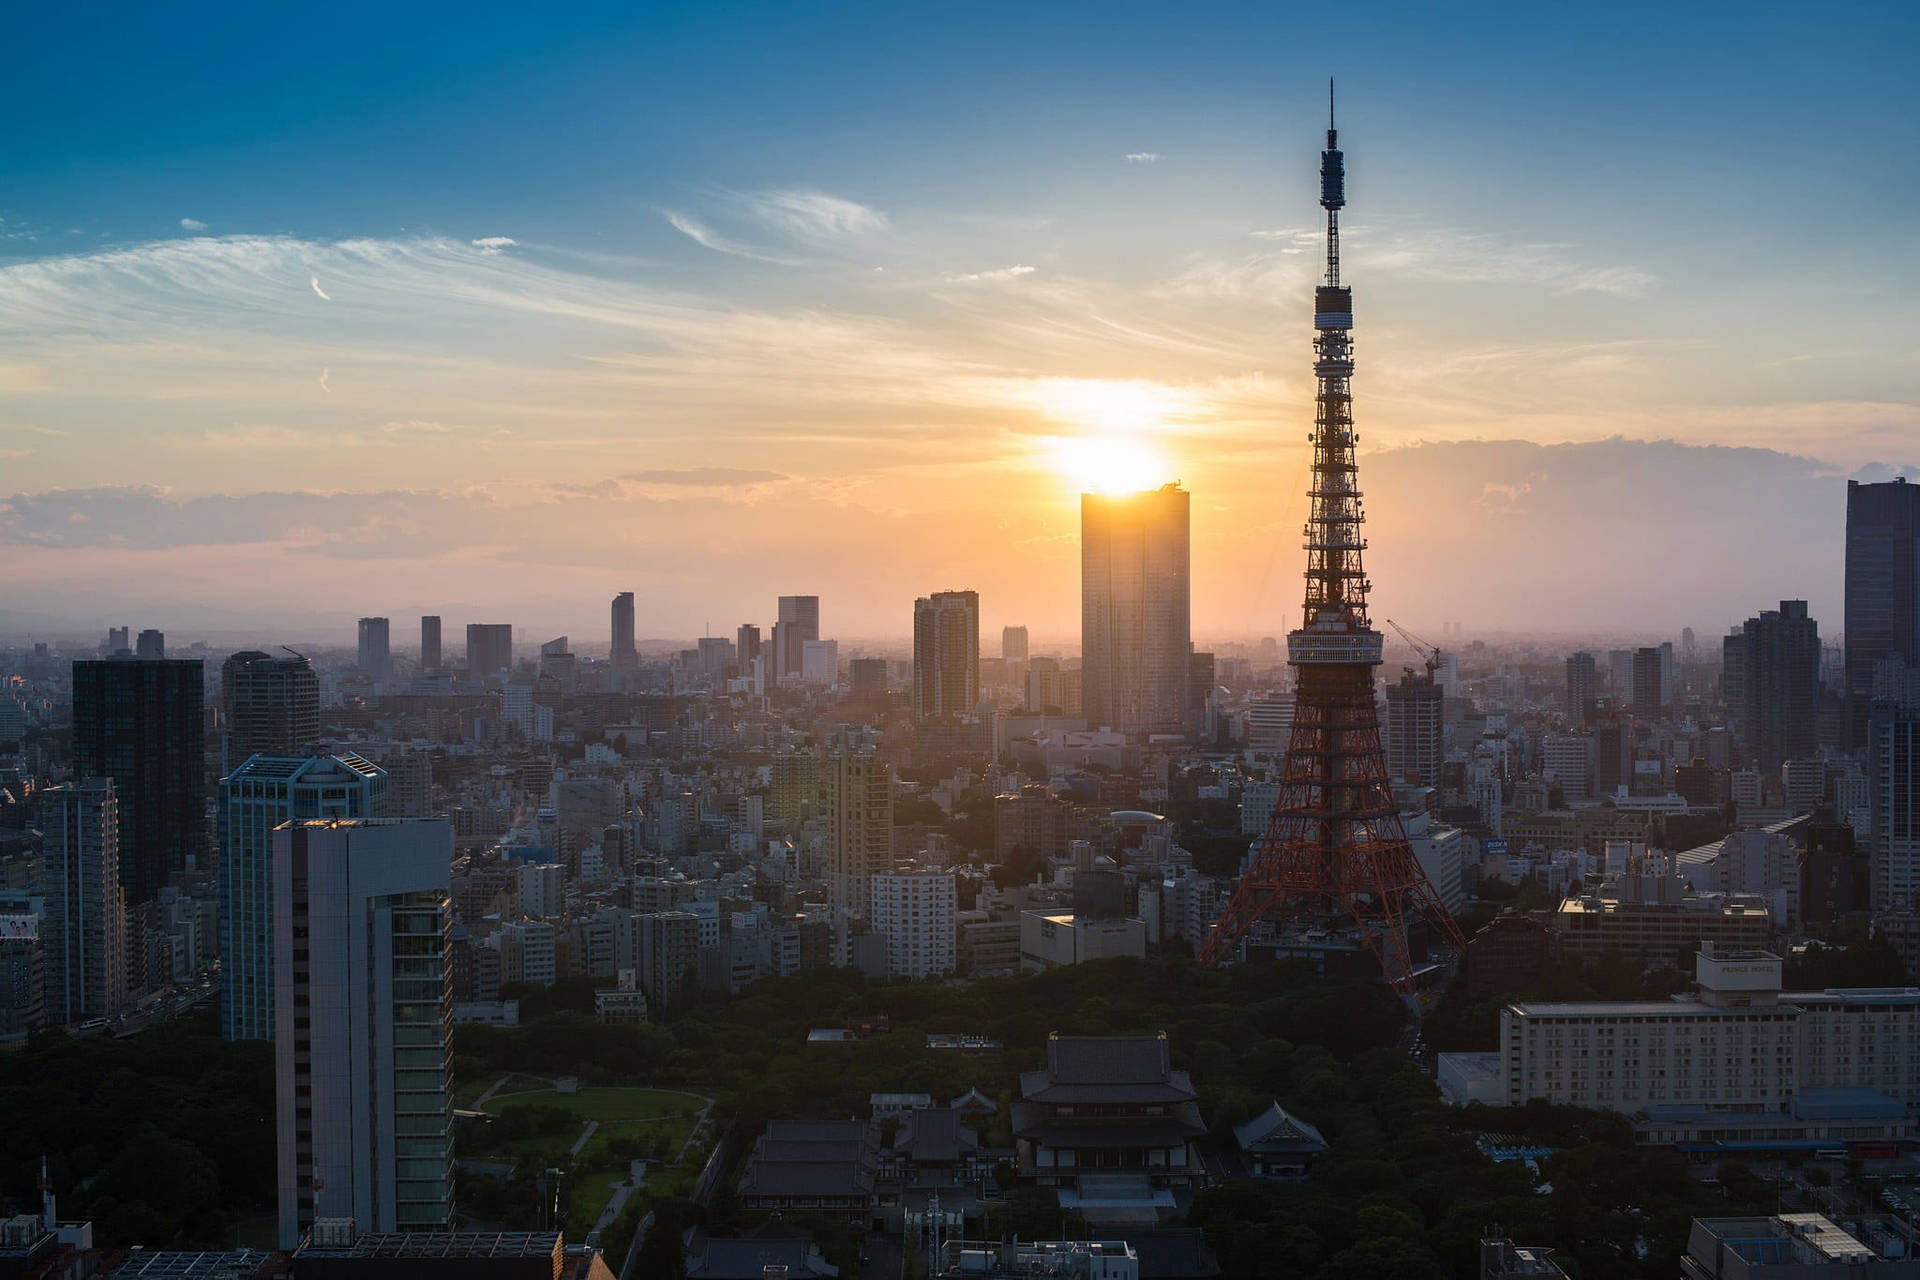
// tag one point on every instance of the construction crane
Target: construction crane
(1429, 651)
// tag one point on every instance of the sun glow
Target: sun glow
(1117, 422)
(1110, 464)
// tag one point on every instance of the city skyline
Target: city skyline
(821, 337)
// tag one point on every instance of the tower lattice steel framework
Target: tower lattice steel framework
(1334, 850)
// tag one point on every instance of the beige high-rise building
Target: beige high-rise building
(946, 654)
(1135, 619)
(856, 791)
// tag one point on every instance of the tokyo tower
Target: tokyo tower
(1334, 854)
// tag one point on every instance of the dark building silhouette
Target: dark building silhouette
(430, 642)
(1200, 678)
(489, 648)
(1882, 621)
(375, 654)
(625, 655)
(151, 644)
(1508, 956)
(142, 722)
(1831, 874)
(1771, 684)
(271, 705)
(867, 677)
(799, 622)
(1648, 699)
(1613, 757)
(1700, 783)
(746, 647)
(1582, 688)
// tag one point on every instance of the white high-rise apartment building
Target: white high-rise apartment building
(540, 889)
(1893, 758)
(917, 912)
(1567, 759)
(255, 798)
(363, 1022)
(1256, 806)
(84, 939)
(820, 662)
(529, 952)
(1135, 617)
(1269, 723)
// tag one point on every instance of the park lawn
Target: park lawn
(589, 1198)
(603, 1103)
(467, 1092)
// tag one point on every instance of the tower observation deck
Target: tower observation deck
(1334, 854)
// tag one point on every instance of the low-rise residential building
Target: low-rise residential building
(1052, 938)
(1743, 1061)
(1792, 1246)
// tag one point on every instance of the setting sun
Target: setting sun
(1110, 464)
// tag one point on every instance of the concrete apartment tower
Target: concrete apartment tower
(362, 1024)
(85, 940)
(256, 798)
(946, 654)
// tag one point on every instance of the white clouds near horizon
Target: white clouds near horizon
(861, 404)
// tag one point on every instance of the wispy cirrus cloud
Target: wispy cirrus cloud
(1143, 157)
(707, 238)
(706, 476)
(999, 274)
(1466, 257)
(814, 215)
(192, 224)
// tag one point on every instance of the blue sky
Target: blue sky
(901, 256)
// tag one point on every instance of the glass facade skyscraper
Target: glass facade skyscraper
(1135, 613)
(142, 722)
(255, 798)
(1882, 593)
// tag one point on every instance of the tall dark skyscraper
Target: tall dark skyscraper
(375, 655)
(271, 705)
(143, 723)
(489, 648)
(624, 654)
(429, 643)
(1649, 683)
(1771, 675)
(1136, 628)
(151, 644)
(1582, 685)
(1882, 620)
(799, 622)
(746, 647)
(946, 654)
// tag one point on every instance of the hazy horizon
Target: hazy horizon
(718, 307)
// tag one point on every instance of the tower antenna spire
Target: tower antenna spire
(1335, 851)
